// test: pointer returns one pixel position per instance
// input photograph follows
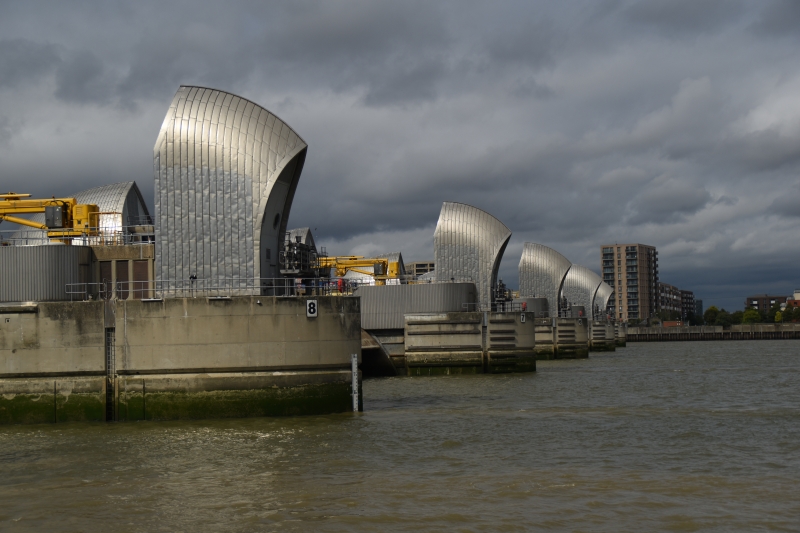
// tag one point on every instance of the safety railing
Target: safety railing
(117, 236)
(212, 288)
(497, 307)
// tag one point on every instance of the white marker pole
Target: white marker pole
(354, 363)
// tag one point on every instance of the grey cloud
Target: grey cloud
(6, 131)
(565, 120)
(22, 60)
(668, 202)
(524, 41)
(677, 18)
(416, 83)
(779, 18)
(764, 150)
(621, 177)
(726, 200)
(787, 204)
(83, 80)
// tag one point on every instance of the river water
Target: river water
(673, 436)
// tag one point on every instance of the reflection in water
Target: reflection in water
(682, 436)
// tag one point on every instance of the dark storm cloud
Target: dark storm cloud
(23, 61)
(669, 202)
(82, 79)
(672, 123)
(677, 18)
(779, 18)
(787, 204)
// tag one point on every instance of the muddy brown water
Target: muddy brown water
(667, 437)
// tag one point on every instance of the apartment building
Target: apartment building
(632, 271)
(763, 302)
(669, 298)
(688, 304)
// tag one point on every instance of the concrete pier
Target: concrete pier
(469, 343)
(176, 358)
(562, 338)
(621, 334)
(601, 336)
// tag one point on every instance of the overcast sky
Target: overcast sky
(674, 123)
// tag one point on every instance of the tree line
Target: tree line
(720, 317)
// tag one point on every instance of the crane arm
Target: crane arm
(23, 222)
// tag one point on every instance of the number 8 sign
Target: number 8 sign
(311, 308)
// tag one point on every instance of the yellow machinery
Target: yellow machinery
(382, 269)
(64, 217)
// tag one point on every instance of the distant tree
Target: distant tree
(723, 319)
(778, 317)
(751, 316)
(796, 314)
(710, 316)
(771, 313)
(736, 317)
(694, 320)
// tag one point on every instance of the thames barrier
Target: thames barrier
(215, 307)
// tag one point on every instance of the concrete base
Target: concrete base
(621, 343)
(196, 396)
(444, 363)
(176, 358)
(443, 370)
(50, 400)
(508, 362)
(469, 342)
(602, 346)
(576, 351)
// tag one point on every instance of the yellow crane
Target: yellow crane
(64, 217)
(382, 269)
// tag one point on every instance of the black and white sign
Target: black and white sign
(522, 318)
(311, 308)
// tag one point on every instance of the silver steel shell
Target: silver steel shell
(468, 246)
(226, 170)
(121, 203)
(580, 287)
(601, 297)
(306, 237)
(541, 274)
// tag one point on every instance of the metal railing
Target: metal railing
(116, 236)
(211, 288)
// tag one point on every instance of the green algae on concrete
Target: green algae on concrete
(81, 399)
(47, 400)
(601, 346)
(546, 353)
(233, 396)
(443, 370)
